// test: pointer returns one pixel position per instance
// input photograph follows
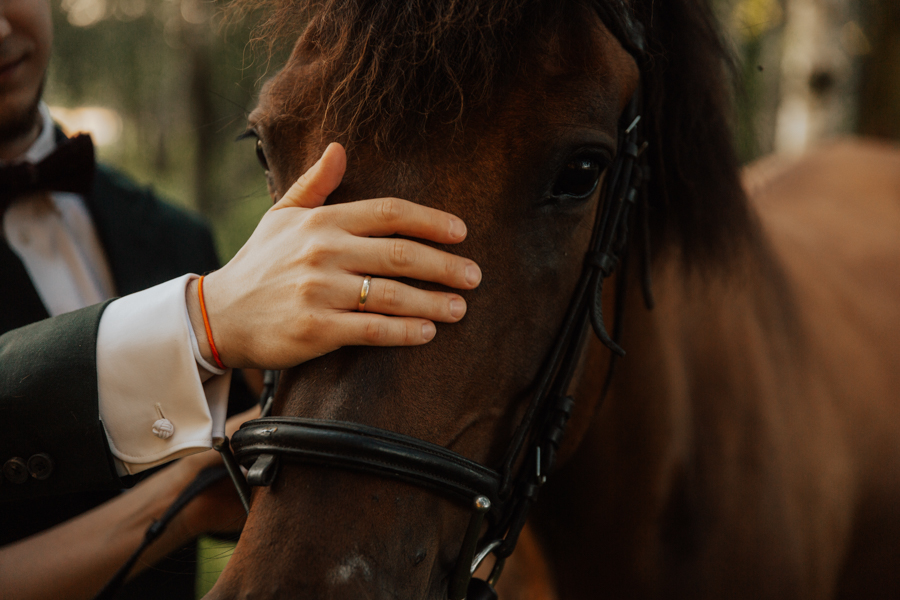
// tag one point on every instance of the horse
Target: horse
(747, 444)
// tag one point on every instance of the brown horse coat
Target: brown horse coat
(749, 447)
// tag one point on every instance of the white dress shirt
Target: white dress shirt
(154, 403)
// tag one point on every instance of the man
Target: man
(118, 240)
(146, 243)
(102, 392)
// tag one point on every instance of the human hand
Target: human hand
(292, 292)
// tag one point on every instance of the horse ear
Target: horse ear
(696, 198)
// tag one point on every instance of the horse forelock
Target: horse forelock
(395, 74)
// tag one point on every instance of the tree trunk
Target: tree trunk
(879, 103)
(819, 73)
(197, 39)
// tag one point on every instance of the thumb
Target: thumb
(314, 186)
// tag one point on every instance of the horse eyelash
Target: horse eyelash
(250, 133)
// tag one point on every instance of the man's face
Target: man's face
(26, 32)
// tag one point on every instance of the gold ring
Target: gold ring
(364, 293)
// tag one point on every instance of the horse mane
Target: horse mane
(397, 70)
(696, 195)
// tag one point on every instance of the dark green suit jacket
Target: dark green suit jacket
(48, 372)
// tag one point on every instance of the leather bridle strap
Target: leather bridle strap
(262, 442)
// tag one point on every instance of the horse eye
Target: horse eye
(261, 155)
(578, 179)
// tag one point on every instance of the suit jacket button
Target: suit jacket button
(40, 466)
(16, 470)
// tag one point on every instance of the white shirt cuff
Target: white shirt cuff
(148, 374)
(195, 347)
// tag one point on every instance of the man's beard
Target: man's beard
(22, 123)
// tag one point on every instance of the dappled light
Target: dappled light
(104, 125)
(164, 89)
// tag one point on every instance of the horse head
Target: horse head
(508, 115)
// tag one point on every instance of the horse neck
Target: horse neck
(719, 343)
(719, 339)
(714, 330)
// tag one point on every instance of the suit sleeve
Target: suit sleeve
(51, 437)
(49, 396)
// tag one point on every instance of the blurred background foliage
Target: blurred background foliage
(811, 70)
(165, 88)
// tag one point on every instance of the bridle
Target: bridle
(504, 495)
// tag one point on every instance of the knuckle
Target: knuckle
(315, 253)
(302, 182)
(376, 332)
(399, 253)
(454, 269)
(303, 290)
(390, 210)
(441, 306)
(310, 287)
(389, 297)
(409, 335)
(308, 326)
(316, 219)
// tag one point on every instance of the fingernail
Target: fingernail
(457, 308)
(473, 274)
(428, 331)
(457, 228)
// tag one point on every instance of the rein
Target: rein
(504, 495)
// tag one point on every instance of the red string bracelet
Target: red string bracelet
(209, 338)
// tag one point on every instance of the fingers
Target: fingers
(376, 217)
(389, 216)
(314, 186)
(364, 329)
(396, 257)
(388, 297)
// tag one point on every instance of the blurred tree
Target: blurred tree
(879, 101)
(755, 29)
(813, 69)
(182, 85)
(819, 73)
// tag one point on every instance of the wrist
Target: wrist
(147, 502)
(164, 488)
(188, 523)
(195, 313)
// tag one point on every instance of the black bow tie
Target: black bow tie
(69, 168)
